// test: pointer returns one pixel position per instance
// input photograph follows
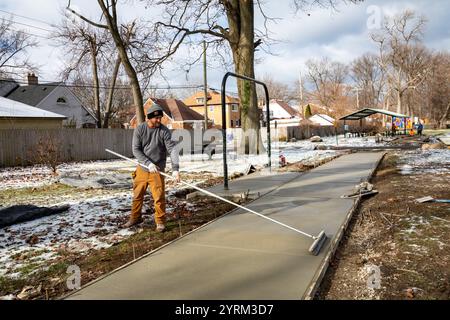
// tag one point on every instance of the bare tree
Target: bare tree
(277, 90)
(82, 45)
(230, 23)
(328, 78)
(109, 13)
(13, 50)
(369, 77)
(402, 56)
(436, 92)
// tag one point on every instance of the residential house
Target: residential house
(318, 109)
(279, 109)
(176, 114)
(281, 113)
(322, 120)
(53, 97)
(214, 104)
(123, 117)
(17, 115)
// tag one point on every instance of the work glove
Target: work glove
(176, 176)
(152, 168)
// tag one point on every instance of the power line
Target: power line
(128, 87)
(27, 25)
(29, 18)
(28, 33)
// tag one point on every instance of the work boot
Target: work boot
(160, 227)
(131, 222)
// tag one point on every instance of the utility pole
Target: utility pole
(357, 96)
(301, 93)
(205, 85)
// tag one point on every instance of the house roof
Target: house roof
(14, 109)
(33, 94)
(173, 108)
(322, 118)
(7, 86)
(176, 109)
(368, 112)
(286, 107)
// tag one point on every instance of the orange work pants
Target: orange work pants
(141, 181)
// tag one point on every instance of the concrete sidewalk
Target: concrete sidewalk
(241, 256)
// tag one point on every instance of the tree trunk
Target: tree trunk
(96, 82)
(399, 101)
(111, 93)
(443, 120)
(242, 46)
(129, 69)
(134, 82)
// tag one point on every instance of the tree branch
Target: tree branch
(87, 20)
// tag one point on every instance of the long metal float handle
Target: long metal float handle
(216, 196)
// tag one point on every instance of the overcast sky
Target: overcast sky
(342, 35)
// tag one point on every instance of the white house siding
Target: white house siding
(279, 112)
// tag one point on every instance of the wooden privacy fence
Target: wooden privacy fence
(20, 147)
(308, 131)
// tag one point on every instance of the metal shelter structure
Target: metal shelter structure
(364, 113)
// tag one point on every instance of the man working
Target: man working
(151, 143)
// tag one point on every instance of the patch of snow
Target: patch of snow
(78, 228)
(424, 161)
(39, 176)
(28, 177)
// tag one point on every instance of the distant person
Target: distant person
(152, 141)
(394, 129)
(420, 128)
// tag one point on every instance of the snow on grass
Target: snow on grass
(424, 161)
(39, 176)
(89, 224)
(331, 141)
(28, 177)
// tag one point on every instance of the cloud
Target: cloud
(341, 35)
(344, 35)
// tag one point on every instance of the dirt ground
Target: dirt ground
(407, 241)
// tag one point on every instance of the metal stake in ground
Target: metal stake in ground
(319, 240)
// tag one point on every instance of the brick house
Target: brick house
(176, 114)
(214, 104)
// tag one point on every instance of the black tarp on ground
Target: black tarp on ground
(21, 213)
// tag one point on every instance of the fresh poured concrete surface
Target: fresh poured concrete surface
(256, 183)
(242, 256)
